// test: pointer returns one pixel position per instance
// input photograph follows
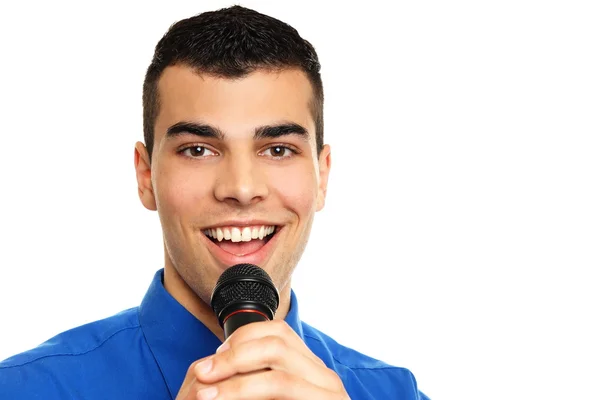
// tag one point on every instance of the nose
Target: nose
(240, 182)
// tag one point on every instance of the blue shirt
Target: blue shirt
(144, 353)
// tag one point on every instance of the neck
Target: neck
(176, 286)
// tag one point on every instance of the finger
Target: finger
(190, 384)
(270, 328)
(270, 384)
(270, 352)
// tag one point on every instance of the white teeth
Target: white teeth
(242, 234)
(246, 234)
(236, 235)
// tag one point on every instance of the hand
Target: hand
(263, 360)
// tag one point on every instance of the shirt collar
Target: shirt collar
(176, 338)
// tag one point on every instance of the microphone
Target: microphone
(244, 294)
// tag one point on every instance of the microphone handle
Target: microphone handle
(241, 318)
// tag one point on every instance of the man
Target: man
(234, 163)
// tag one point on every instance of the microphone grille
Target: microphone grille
(244, 283)
(243, 270)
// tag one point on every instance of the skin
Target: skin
(277, 180)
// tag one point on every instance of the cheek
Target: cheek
(180, 193)
(296, 186)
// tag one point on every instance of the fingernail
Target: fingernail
(208, 393)
(223, 347)
(204, 367)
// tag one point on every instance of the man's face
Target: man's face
(235, 175)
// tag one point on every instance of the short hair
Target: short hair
(231, 43)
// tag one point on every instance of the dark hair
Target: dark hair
(231, 43)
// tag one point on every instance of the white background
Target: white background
(461, 233)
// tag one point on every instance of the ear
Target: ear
(143, 174)
(324, 167)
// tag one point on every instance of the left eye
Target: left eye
(278, 152)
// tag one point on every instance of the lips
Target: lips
(255, 251)
(247, 244)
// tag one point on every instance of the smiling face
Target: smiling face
(235, 176)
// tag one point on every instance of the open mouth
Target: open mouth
(241, 241)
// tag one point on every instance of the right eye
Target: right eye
(197, 151)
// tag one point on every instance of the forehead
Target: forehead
(235, 105)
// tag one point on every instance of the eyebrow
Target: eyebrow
(261, 132)
(187, 128)
(275, 131)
